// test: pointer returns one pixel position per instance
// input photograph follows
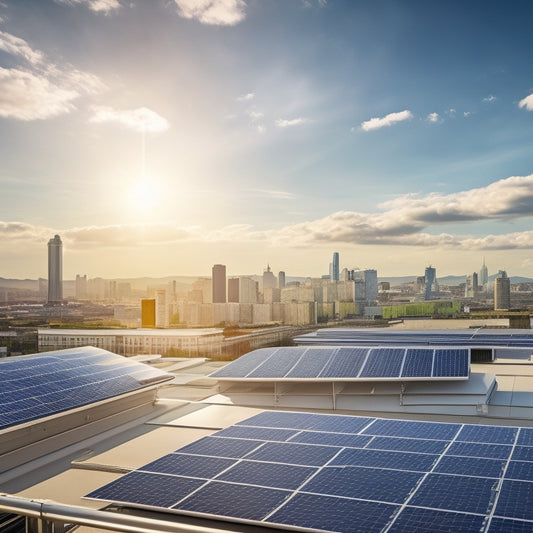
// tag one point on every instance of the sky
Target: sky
(159, 137)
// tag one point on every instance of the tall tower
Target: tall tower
(483, 277)
(219, 284)
(430, 280)
(502, 292)
(269, 280)
(334, 276)
(281, 279)
(55, 270)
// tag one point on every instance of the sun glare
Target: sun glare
(145, 195)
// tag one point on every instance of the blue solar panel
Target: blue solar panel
(451, 363)
(418, 363)
(244, 365)
(364, 483)
(505, 525)
(237, 501)
(268, 474)
(383, 362)
(311, 363)
(38, 385)
(455, 493)
(515, 500)
(407, 428)
(278, 365)
(415, 520)
(477, 449)
(472, 466)
(525, 438)
(346, 363)
(147, 489)
(328, 513)
(521, 470)
(523, 453)
(354, 474)
(488, 434)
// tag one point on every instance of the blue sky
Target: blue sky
(160, 137)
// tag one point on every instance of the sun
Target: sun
(145, 194)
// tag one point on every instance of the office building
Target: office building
(483, 278)
(219, 284)
(233, 290)
(471, 285)
(269, 280)
(281, 279)
(162, 313)
(334, 274)
(502, 292)
(81, 287)
(148, 313)
(55, 270)
(430, 280)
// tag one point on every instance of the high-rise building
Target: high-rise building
(55, 270)
(281, 279)
(502, 292)
(483, 277)
(233, 290)
(162, 315)
(430, 281)
(148, 313)
(219, 284)
(81, 287)
(471, 286)
(334, 274)
(269, 280)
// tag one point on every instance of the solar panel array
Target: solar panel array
(467, 337)
(342, 363)
(344, 473)
(39, 385)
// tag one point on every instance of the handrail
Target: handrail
(56, 512)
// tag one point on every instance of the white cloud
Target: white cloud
(287, 123)
(246, 97)
(388, 120)
(281, 195)
(40, 89)
(467, 113)
(25, 96)
(490, 98)
(19, 47)
(527, 102)
(255, 115)
(140, 119)
(433, 117)
(213, 12)
(103, 6)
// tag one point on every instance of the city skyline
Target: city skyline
(160, 138)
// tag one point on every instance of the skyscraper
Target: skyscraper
(219, 284)
(430, 280)
(281, 279)
(483, 278)
(334, 274)
(269, 280)
(502, 292)
(55, 270)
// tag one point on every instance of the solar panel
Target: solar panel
(354, 364)
(342, 473)
(39, 385)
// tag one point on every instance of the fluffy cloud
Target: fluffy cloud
(140, 119)
(25, 96)
(527, 102)
(433, 117)
(490, 98)
(40, 89)
(287, 123)
(102, 6)
(388, 120)
(213, 12)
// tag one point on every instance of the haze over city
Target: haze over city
(162, 137)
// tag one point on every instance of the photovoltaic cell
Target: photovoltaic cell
(348, 474)
(383, 362)
(346, 363)
(311, 363)
(450, 363)
(418, 363)
(238, 501)
(525, 438)
(244, 365)
(278, 365)
(328, 513)
(522, 453)
(364, 483)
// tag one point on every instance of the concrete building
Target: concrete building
(219, 284)
(281, 279)
(233, 290)
(269, 280)
(430, 282)
(502, 292)
(148, 313)
(162, 312)
(55, 270)
(334, 273)
(483, 278)
(81, 287)
(471, 285)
